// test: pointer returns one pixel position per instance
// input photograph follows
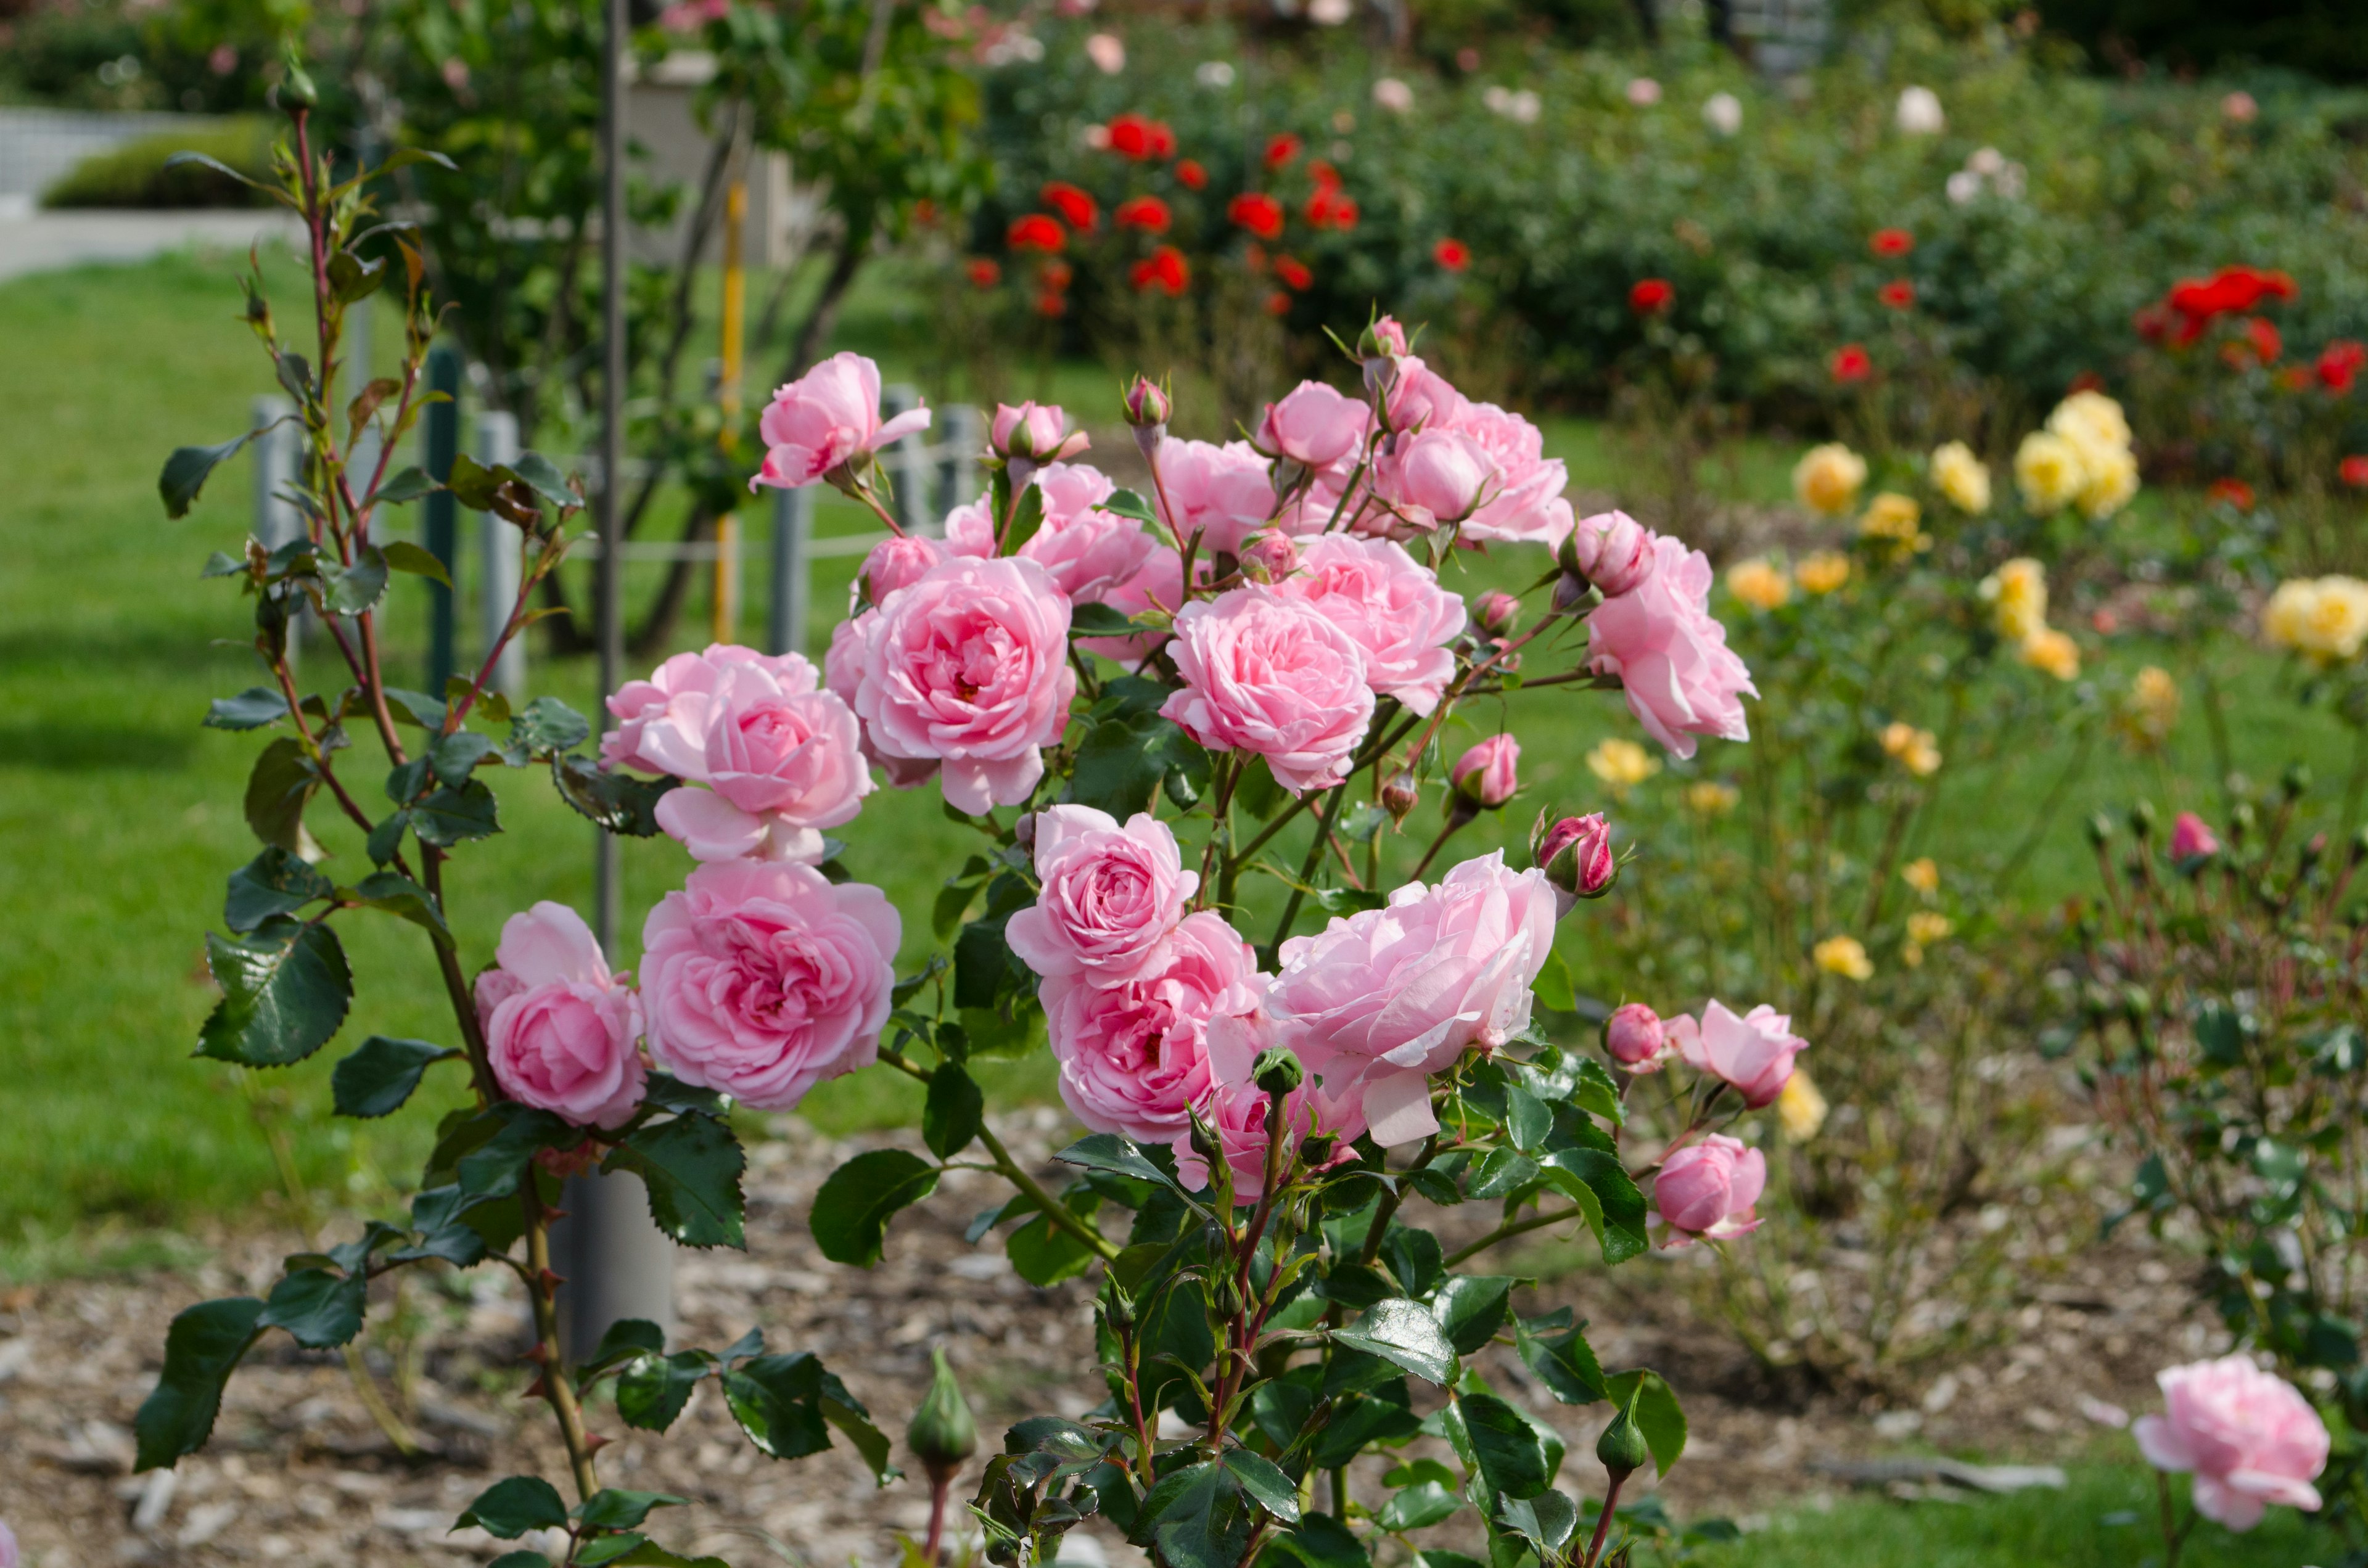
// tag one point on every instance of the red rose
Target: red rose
(1037, 232)
(1163, 269)
(1161, 141)
(1192, 175)
(1132, 136)
(984, 272)
(2340, 363)
(1323, 173)
(1453, 254)
(1055, 275)
(1262, 215)
(2353, 470)
(1899, 293)
(2264, 339)
(1332, 208)
(1145, 212)
(1651, 296)
(1073, 205)
(1281, 148)
(1292, 273)
(1278, 303)
(1850, 364)
(2235, 492)
(1049, 304)
(1891, 241)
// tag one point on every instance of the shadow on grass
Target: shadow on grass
(93, 748)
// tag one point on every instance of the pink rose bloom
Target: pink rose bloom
(1089, 552)
(761, 979)
(969, 666)
(1381, 999)
(1391, 606)
(1575, 854)
(1421, 399)
(1237, 1110)
(1222, 492)
(1488, 774)
(1268, 674)
(1525, 506)
(1313, 425)
(1754, 1052)
(1708, 1188)
(780, 766)
(1134, 1056)
(1672, 659)
(1033, 431)
(897, 563)
(1496, 613)
(1109, 896)
(1613, 551)
(2190, 839)
(560, 1030)
(1434, 477)
(1636, 1038)
(842, 672)
(827, 420)
(1271, 556)
(2247, 1435)
(663, 720)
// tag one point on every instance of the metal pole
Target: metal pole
(959, 442)
(443, 519)
(619, 1265)
(785, 622)
(277, 521)
(727, 386)
(498, 563)
(908, 462)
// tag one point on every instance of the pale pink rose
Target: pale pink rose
(780, 766)
(1708, 1189)
(1033, 432)
(1753, 1052)
(1391, 606)
(1270, 557)
(1381, 999)
(1435, 477)
(1671, 656)
(2190, 839)
(761, 979)
(2249, 1437)
(897, 562)
(843, 673)
(1575, 854)
(1421, 399)
(969, 666)
(1313, 425)
(827, 420)
(1237, 1110)
(1489, 773)
(1134, 1056)
(1270, 675)
(1636, 1038)
(1157, 585)
(1223, 494)
(1110, 896)
(1613, 551)
(662, 723)
(560, 1030)
(1525, 504)
(1090, 552)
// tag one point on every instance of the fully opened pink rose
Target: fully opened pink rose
(1110, 894)
(969, 666)
(1134, 1056)
(662, 722)
(1708, 1189)
(1270, 675)
(1391, 607)
(760, 978)
(2249, 1436)
(1381, 999)
(1526, 505)
(1314, 425)
(827, 420)
(781, 764)
(1223, 493)
(1434, 477)
(560, 1030)
(843, 673)
(1680, 678)
(1753, 1052)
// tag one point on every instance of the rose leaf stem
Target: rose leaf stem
(1512, 1228)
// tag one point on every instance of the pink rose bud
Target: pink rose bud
(1384, 336)
(1146, 403)
(1497, 613)
(1487, 774)
(560, 1030)
(1753, 1053)
(1611, 549)
(1437, 477)
(1271, 557)
(1575, 854)
(825, 425)
(1313, 425)
(1400, 795)
(1033, 431)
(1708, 1188)
(1636, 1038)
(2249, 1437)
(897, 562)
(2190, 839)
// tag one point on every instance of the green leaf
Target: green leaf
(1026, 517)
(1413, 1256)
(350, 590)
(1658, 1415)
(1545, 1520)
(1123, 760)
(404, 157)
(1471, 1308)
(1502, 1171)
(520, 1560)
(616, 802)
(985, 969)
(206, 160)
(640, 1554)
(612, 1509)
(514, 1504)
(1045, 1255)
(1565, 1363)
(852, 1208)
(495, 1167)
(318, 1308)
(1418, 1506)
(220, 565)
(1119, 1155)
(404, 556)
(250, 709)
(1527, 1121)
(451, 816)
(408, 485)
(285, 991)
(188, 469)
(653, 1388)
(784, 1402)
(1320, 1541)
(274, 883)
(953, 1112)
(1194, 1518)
(351, 278)
(1100, 621)
(543, 476)
(1505, 1447)
(399, 895)
(415, 707)
(201, 1349)
(1596, 1093)
(455, 756)
(1607, 1193)
(1268, 1487)
(692, 1165)
(1553, 987)
(546, 726)
(381, 1073)
(1405, 1335)
(1128, 504)
(277, 791)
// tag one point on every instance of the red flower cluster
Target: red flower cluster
(2235, 492)
(2339, 364)
(1281, 150)
(1036, 232)
(984, 272)
(2353, 470)
(1190, 174)
(1850, 363)
(1163, 269)
(1292, 274)
(1651, 296)
(1262, 215)
(1899, 293)
(1143, 139)
(2192, 303)
(1075, 207)
(1145, 212)
(1330, 207)
(1891, 241)
(1453, 254)
(1278, 303)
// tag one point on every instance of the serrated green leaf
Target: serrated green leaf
(1564, 1362)
(653, 1388)
(1471, 1308)
(514, 1504)
(319, 1309)
(1545, 1520)
(285, 992)
(953, 1112)
(399, 895)
(616, 802)
(278, 787)
(381, 1073)
(1268, 1487)
(274, 883)
(250, 709)
(1418, 1506)
(350, 590)
(692, 1167)
(410, 485)
(1504, 1446)
(546, 726)
(1405, 1333)
(856, 1201)
(1196, 1518)
(186, 471)
(450, 816)
(201, 1349)
(611, 1508)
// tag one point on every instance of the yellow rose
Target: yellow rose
(1800, 1108)
(1822, 572)
(2112, 479)
(1828, 477)
(1923, 875)
(2151, 710)
(1963, 478)
(1845, 956)
(2323, 619)
(1711, 799)
(1892, 517)
(2048, 470)
(1926, 927)
(1623, 764)
(2017, 594)
(1759, 583)
(2090, 419)
(1912, 748)
(2051, 650)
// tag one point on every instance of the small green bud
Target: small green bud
(1117, 1305)
(1316, 1152)
(942, 1434)
(2142, 819)
(296, 90)
(2100, 831)
(2242, 820)
(1621, 1450)
(1277, 1071)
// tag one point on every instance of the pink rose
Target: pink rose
(1708, 1188)
(663, 720)
(761, 979)
(1613, 551)
(1033, 432)
(1267, 673)
(827, 421)
(2247, 1435)
(1134, 1056)
(1388, 336)
(1223, 494)
(560, 1030)
(2190, 839)
(843, 673)
(1488, 774)
(969, 666)
(1109, 896)
(780, 766)
(1575, 854)
(1421, 399)
(1636, 1038)
(1525, 504)
(1314, 425)
(1237, 1110)
(1672, 659)
(1754, 1052)
(1090, 552)
(1435, 477)
(1392, 608)
(1381, 999)
(1270, 557)
(897, 563)
(1496, 613)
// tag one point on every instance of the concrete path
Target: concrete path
(39, 242)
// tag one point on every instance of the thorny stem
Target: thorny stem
(542, 1289)
(1391, 1198)
(1455, 819)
